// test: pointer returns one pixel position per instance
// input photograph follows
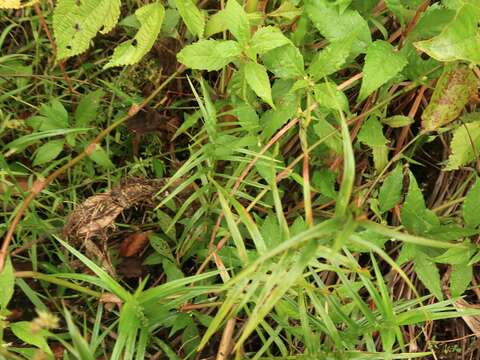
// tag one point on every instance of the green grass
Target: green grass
(320, 180)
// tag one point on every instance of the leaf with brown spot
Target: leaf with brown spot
(453, 90)
(134, 243)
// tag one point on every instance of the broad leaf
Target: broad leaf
(131, 51)
(192, 16)
(48, 152)
(23, 330)
(460, 278)
(328, 96)
(382, 63)
(238, 23)
(471, 205)
(371, 134)
(285, 62)
(336, 26)
(257, 79)
(209, 54)
(460, 40)
(428, 274)
(266, 39)
(391, 190)
(324, 130)
(100, 156)
(87, 108)
(330, 59)
(464, 145)
(75, 23)
(414, 214)
(452, 92)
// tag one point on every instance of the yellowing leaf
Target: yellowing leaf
(452, 92)
(10, 4)
(460, 40)
(131, 51)
(76, 23)
(382, 63)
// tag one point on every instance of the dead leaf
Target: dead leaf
(134, 243)
(454, 88)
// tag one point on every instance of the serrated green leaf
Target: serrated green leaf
(192, 16)
(336, 26)
(382, 63)
(286, 10)
(397, 121)
(100, 156)
(7, 283)
(55, 114)
(428, 274)
(391, 190)
(414, 214)
(460, 278)
(238, 23)
(371, 134)
(330, 59)
(216, 23)
(460, 39)
(209, 54)
(328, 96)
(131, 51)
(324, 129)
(257, 78)
(267, 38)
(48, 152)
(88, 107)
(457, 255)
(464, 145)
(76, 23)
(285, 62)
(453, 90)
(471, 205)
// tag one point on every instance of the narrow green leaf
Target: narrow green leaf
(460, 39)
(266, 39)
(397, 121)
(453, 90)
(257, 78)
(48, 152)
(460, 278)
(7, 283)
(75, 23)
(391, 189)
(428, 274)
(238, 23)
(209, 54)
(382, 63)
(192, 16)
(464, 146)
(471, 205)
(131, 52)
(87, 108)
